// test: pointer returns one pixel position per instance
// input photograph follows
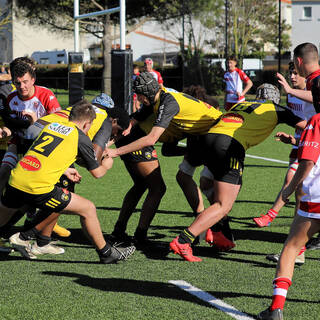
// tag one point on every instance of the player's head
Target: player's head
(82, 113)
(146, 87)
(120, 120)
(268, 91)
(304, 55)
(18, 60)
(24, 77)
(297, 81)
(148, 63)
(103, 101)
(232, 62)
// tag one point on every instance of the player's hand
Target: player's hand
(32, 116)
(73, 175)
(285, 138)
(239, 94)
(107, 162)
(111, 153)
(127, 131)
(283, 82)
(5, 132)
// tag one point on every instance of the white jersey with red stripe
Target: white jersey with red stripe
(157, 76)
(302, 109)
(43, 102)
(234, 83)
(309, 149)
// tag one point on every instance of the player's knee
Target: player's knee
(186, 168)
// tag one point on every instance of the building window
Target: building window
(307, 13)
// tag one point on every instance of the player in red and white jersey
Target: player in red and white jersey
(29, 102)
(304, 110)
(148, 63)
(306, 223)
(234, 79)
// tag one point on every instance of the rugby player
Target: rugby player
(305, 223)
(33, 180)
(223, 152)
(104, 126)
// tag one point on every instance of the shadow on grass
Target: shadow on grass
(152, 288)
(183, 213)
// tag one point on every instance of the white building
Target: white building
(305, 22)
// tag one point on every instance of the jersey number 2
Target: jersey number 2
(46, 143)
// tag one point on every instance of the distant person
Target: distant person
(234, 79)
(148, 65)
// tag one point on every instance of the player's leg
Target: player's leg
(302, 229)
(91, 227)
(225, 158)
(272, 213)
(129, 203)
(151, 173)
(190, 189)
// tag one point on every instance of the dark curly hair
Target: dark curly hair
(201, 94)
(21, 68)
(26, 60)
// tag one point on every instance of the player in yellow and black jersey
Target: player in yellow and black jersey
(223, 151)
(177, 115)
(33, 181)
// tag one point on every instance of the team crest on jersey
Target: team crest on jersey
(65, 197)
(60, 128)
(36, 104)
(148, 155)
(232, 117)
(30, 163)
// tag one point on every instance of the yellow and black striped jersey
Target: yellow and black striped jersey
(55, 149)
(99, 133)
(181, 115)
(252, 122)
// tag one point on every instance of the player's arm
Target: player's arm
(88, 160)
(247, 87)
(305, 95)
(106, 164)
(146, 141)
(101, 138)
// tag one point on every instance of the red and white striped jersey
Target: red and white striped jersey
(234, 83)
(309, 149)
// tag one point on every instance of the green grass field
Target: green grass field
(75, 286)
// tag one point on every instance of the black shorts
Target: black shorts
(54, 201)
(143, 155)
(195, 151)
(224, 156)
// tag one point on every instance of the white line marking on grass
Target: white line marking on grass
(254, 157)
(217, 303)
(267, 159)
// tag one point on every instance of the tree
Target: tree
(254, 24)
(57, 15)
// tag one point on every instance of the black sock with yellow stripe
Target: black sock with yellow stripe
(186, 237)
